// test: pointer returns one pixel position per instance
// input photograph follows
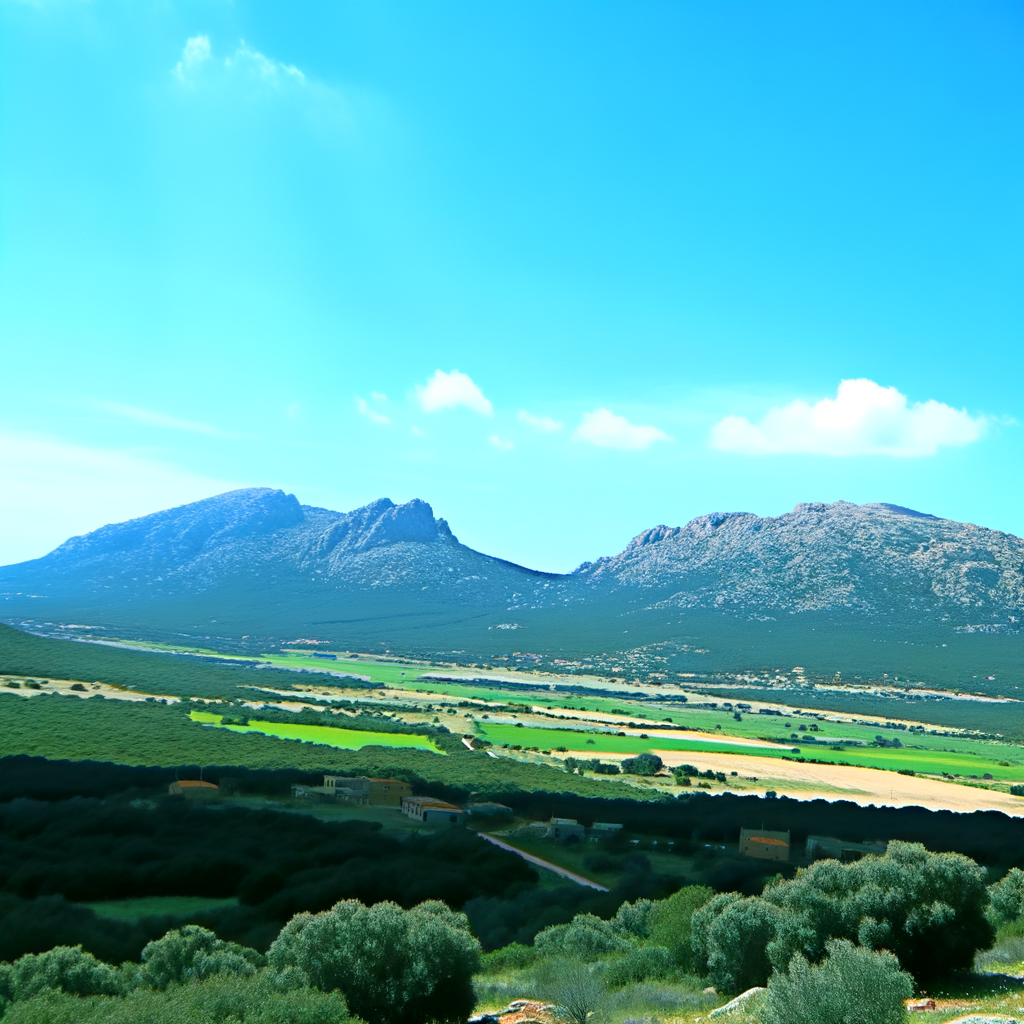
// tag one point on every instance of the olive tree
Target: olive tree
(392, 965)
(193, 954)
(1007, 897)
(585, 937)
(851, 986)
(670, 922)
(65, 968)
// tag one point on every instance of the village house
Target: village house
(193, 789)
(764, 844)
(431, 811)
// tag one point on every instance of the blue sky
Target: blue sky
(564, 270)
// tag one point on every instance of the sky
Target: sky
(565, 270)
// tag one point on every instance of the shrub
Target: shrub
(194, 954)
(852, 986)
(219, 1000)
(642, 764)
(926, 908)
(639, 965)
(585, 937)
(514, 956)
(740, 943)
(634, 919)
(575, 988)
(64, 968)
(391, 964)
(1017, 790)
(1006, 897)
(670, 922)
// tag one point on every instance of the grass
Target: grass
(326, 735)
(159, 906)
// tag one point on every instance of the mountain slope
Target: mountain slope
(832, 586)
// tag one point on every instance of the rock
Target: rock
(741, 1000)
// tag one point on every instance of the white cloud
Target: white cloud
(371, 414)
(158, 419)
(501, 443)
(195, 54)
(378, 396)
(449, 390)
(542, 424)
(863, 419)
(53, 490)
(273, 72)
(606, 430)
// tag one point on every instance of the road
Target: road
(546, 864)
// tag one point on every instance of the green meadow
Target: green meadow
(326, 735)
(159, 906)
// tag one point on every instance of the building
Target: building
(375, 792)
(431, 811)
(829, 848)
(193, 789)
(565, 828)
(764, 844)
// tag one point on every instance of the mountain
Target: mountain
(836, 587)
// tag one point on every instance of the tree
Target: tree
(926, 908)
(639, 965)
(670, 922)
(642, 764)
(66, 968)
(852, 986)
(633, 920)
(1006, 897)
(193, 954)
(740, 943)
(585, 937)
(392, 965)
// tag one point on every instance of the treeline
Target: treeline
(140, 733)
(83, 850)
(178, 675)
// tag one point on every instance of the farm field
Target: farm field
(326, 735)
(158, 906)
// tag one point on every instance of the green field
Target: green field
(159, 906)
(965, 761)
(326, 735)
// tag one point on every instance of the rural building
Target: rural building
(764, 844)
(565, 828)
(193, 789)
(431, 811)
(375, 792)
(829, 848)
(606, 827)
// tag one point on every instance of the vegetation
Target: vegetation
(392, 965)
(851, 986)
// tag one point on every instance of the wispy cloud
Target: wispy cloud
(54, 490)
(863, 419)
(604, 429)
(363, 408)
(273, 72)
(451, 390)
(193, 57)
(542, 424)
(158, 419)
(500, 443)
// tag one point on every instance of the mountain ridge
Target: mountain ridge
(257, 563)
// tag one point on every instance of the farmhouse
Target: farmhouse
(375, 792)
(193, 789)
(764, 844)
(431, 811)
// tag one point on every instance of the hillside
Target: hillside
(833, 587)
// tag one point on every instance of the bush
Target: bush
(926, 908)
(586, 937)
(670, 922)
(391, 964)
(194, 954)
(1017, 790)
(740, 942)
(65, 968)
(513, 957)
(634, 919)
(642, 764)
(219, 1000)
(575, 988)
(852, 986)
(640, 965)
(1006, 898)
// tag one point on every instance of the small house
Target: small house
(193, 789)
(764, 844)
(829, 848)
(360, 791)
(431, 811)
